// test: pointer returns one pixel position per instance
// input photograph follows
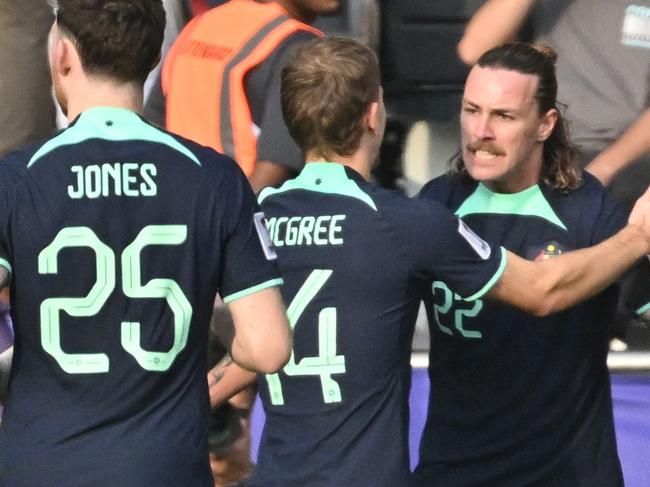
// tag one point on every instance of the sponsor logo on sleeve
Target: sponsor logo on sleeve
(480, 246)
(265, 238)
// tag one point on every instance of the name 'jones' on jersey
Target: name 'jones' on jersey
(306, 230)
(120, 179)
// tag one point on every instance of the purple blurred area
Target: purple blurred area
(6, 329)
(631, 396)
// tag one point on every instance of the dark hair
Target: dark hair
(327, 88)
(560, 167)
(120, 39)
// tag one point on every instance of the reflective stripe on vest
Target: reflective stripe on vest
(204, 72)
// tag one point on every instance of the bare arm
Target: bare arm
(552, 285)
(227, 379)
(268, 173)
(632, 144)
(262, 340)
(495, 23)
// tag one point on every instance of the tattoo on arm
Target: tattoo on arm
(217, 373)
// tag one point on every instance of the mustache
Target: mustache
(481, 145)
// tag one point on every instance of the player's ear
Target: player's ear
(373, 118)
(64, 57)
(549, 119)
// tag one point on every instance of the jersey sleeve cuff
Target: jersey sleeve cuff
(251, 290)
(4, 263)
(643, 309)
(493, 280)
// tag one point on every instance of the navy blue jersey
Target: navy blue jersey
(519, 400)
(118, 236)
(356, 260)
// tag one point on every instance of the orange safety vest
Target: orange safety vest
(203, 74)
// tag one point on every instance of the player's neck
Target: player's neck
(356, 161)
(105, 93)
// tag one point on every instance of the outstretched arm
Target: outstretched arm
(552, 285)
(495, 23)
(631, 145)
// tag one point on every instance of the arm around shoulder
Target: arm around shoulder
(549, 286)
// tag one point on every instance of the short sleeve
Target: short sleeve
(446, 249)
(275, 143)
(248, 259)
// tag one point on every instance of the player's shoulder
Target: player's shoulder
(449, 189)
(587, 209)
(13, 165)
(214, 165)
(437, 186)
(589, 198)
(206, 157)
(408, 214)
(13, 171)
(589, 188)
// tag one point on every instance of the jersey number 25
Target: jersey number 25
(90, 305)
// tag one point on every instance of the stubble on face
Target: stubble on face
(499, 125)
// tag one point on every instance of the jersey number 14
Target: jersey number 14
(327, 362)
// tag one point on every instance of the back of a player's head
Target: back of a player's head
(560, 168)
(327, 89)
(117, 39)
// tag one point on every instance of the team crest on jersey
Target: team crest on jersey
(265, 238)
(546, 251)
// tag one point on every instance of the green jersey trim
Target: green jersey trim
(493, 280)
(112, 124)
(4, 263)
(323, 177)
(643, 309)
(253, 289)
(529, 202)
